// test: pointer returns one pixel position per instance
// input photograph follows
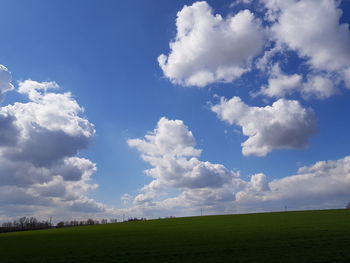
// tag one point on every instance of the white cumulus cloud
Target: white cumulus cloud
(175, 162)
(313, 30)
(283, 125)
(40, 171)
(170, 150)
(209, 48)
(280, 84)
(321, 185)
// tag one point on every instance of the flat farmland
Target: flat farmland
(304, 236)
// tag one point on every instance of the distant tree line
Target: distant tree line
(136, 219)
(31, 223)
(24, 223)
(88, 222)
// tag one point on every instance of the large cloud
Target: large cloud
(283, 125)
(49, 120)
(313, 30)
(218, 190)
(209, 48)
(170, 150)
(40, 171)
(324, 184)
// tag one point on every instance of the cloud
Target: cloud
(48, 120)
(346, 76)
(40, 171)
(319, 87)
(126, 199)
(169, 137)
(5, 80)
(283, 125)
(87, 206)
(321, 185)
(209, 48)
(34, 89)
(169, 149)
(313, 30)
(280, 84)
(8, 130)
(75, 168)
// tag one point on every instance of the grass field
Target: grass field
(308, 236)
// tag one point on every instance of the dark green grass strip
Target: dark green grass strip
(308, 236)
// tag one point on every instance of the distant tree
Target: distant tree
(60, 224)
(22, 222)
(90, 221)
(347, 206)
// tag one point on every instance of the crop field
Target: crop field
(307, 236)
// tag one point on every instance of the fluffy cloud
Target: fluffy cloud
(39, 142)
(318, 87)
(209, 48)
(321, 185)
(170, 137)
(175, 164)
(324, 184)
(313, 30)
(48, 120)
(170, 150)
(5, 80)
(280, 85)
(283, 125)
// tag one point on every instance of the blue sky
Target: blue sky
(105, 53)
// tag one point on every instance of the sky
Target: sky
(169, 108)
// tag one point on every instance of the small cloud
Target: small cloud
(283, 125)
(126, 198)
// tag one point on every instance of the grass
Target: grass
(306, 236)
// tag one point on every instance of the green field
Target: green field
(308, 236)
